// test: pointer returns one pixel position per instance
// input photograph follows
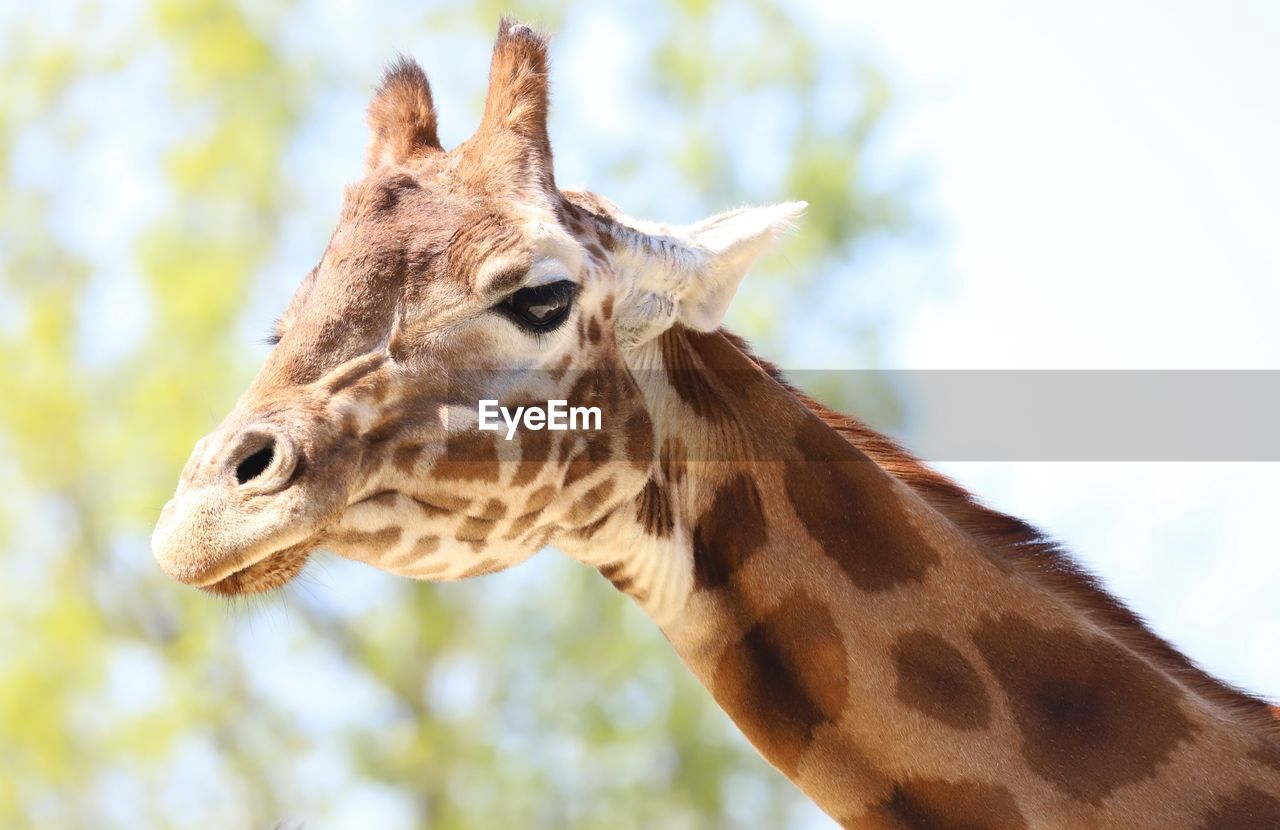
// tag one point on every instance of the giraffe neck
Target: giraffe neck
(880, 653)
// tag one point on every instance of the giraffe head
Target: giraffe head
(453, 277)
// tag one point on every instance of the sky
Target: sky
(1104, 174)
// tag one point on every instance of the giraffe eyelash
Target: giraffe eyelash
(273, 337)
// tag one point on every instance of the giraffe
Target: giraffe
(907, 656)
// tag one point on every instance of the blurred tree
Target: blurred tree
(149, 161)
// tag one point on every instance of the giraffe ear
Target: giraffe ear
(402, 116)
(729, 244)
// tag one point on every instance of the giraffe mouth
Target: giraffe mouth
(267, 574)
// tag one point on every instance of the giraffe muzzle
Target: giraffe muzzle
(241, 499)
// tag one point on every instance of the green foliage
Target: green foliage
(535, 699)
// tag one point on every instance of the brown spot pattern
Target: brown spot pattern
(540, 538)
(383, 498)
(653, 510)
(593, 388)
(537, 502)
(616, 573)
(384, 430)
(928, 804)
(673, 459)
(596, 449)
(475, 532)
(379, 539)
(425, 546)
(535, 451)
(787, 677)
(469, 456)
(688, 377)
(484, 566)
(591, 501)
(1093, 717)
(428, 508)
(556, 372)
(1017, 547)
(935, 679)
(406, 457)
(520, 526)
(639, 431)
(732, 529)
(587, 531)
(439, 503)
(1248, 809)
(836, 494)
(539, 499)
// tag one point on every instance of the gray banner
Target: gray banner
(1076, 415)
(984, 415)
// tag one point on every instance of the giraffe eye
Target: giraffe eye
(540, 308)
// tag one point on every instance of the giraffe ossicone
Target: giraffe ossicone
(905, 655)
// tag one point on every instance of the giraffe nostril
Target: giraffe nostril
(262, 458)
(255, 464)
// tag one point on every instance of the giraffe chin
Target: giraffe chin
(266, 574)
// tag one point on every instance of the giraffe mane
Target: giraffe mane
(1028, 549)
